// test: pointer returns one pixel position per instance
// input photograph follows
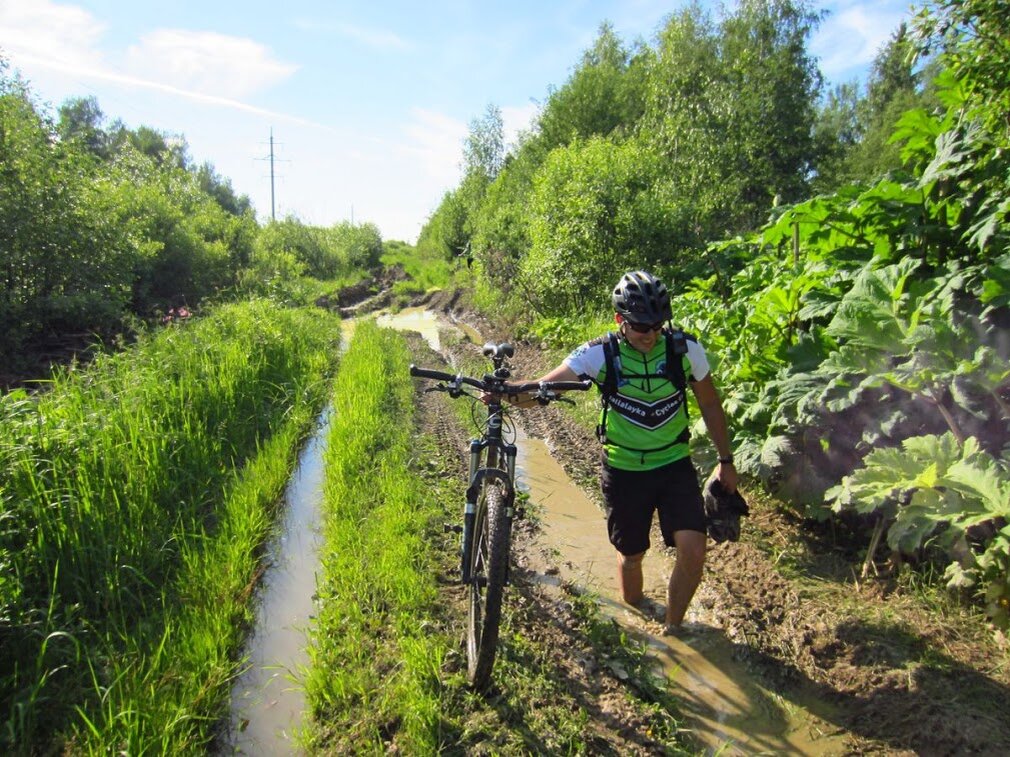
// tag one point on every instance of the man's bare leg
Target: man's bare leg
(685, 577)
(629, 577)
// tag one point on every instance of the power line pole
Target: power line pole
(273, 205)
(273, 175)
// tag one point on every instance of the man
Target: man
(646, 465)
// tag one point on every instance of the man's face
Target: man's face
(640, 336)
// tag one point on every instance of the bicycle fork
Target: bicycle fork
(478, 477)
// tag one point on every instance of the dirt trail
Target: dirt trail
(880, 671)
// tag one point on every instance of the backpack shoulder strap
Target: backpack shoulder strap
(611, 379)
(676, 348)
(612, 363)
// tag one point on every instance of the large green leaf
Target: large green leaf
(952, 153)
(871, 313)
(981, 480)
(996, 286)
(938, 481)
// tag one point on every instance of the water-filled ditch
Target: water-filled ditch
(731, 711)
(268, 700)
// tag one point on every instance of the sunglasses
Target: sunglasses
(644, 328)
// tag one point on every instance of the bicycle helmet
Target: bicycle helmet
(640, 297)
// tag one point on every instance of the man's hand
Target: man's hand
(518, 400)
(727, 475)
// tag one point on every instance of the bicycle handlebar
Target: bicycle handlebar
(500, 386)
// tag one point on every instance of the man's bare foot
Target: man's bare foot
(678, 630)
(650, 608)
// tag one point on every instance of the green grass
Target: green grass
(135, 496)
(376, 659)
(427, 272)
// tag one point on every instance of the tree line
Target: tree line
(103, 227)
(843, 254)
(647, 152)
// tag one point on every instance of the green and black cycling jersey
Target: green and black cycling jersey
(645, 420)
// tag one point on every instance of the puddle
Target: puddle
(469, 331)
(268, 700)
(731, 713)
(428, 324)
(425, 322)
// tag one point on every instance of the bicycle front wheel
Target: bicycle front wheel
(489, 568)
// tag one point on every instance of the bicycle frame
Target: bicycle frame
(496, 448)
(490, 501)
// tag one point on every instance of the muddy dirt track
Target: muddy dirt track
(877, 670)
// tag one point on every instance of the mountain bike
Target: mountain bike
(489, 508)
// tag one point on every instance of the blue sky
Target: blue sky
(369, 102)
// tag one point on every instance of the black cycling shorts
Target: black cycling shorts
(631, 497)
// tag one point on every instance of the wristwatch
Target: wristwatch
(726, 460)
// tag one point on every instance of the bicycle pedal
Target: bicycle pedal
(451, 528)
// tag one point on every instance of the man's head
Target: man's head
(640, 298)
(642, 306)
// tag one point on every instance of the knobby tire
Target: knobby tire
(487, 583)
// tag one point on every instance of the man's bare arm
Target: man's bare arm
(715, 421)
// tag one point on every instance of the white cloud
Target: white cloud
(211, 68)
(436, 140)
(850, 38)
(64, 34)
(206, 62)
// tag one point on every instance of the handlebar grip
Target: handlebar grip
(565, 386)
(429, 373)
(443, 376)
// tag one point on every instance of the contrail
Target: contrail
(133, 81)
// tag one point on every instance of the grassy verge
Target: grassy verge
(426, 271)
(376, 658)
(135, 496)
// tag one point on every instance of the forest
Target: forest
(843, 254)
(106, 228)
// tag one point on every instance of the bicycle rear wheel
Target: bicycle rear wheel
(489, 568)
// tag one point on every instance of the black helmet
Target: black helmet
(642, 298)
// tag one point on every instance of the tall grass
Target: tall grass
(134, 496)
(427, 271)
(375, 660)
